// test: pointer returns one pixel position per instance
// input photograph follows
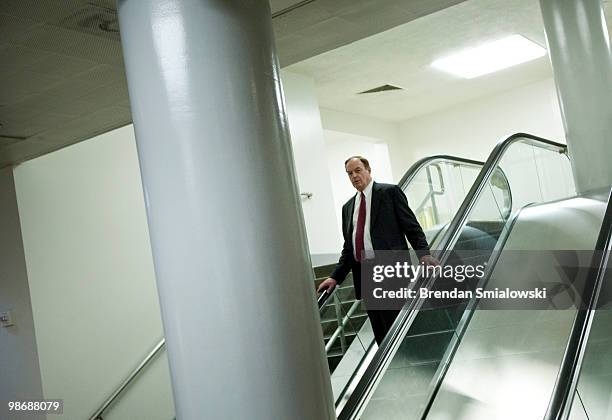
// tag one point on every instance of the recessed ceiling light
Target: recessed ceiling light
(490, 57)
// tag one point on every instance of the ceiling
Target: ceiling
(402, 56)
(61, 68)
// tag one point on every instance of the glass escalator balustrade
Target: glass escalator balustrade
(436, 190)
(505, 362)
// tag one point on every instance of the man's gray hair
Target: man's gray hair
(363, 160)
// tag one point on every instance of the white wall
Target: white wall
(370, 129)
(94, 299)
(339, 146)
(19, 369)
(472, 129)
(311, 165)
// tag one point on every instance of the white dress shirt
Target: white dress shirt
(367, 239)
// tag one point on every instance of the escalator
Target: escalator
(435, 186)
(466, 362)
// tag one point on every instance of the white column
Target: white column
(226, 226)
(579, 49)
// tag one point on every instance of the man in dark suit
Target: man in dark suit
(377, 218)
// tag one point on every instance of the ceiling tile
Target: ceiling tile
(101, 121)
(71, 89)
(40, 10)
(47, 38)
(108, 95)
(318, 36)
(19, 85)
(277, 6)
(103, 74)
(12, 27)
(301, 18)
(14, 59)
(93, 48)
(23, 111)
(61, 65)
(6, 140)
(36, 123)
(93, 19)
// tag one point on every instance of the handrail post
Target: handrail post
(338, 308)
(432, 193)
(341, 326)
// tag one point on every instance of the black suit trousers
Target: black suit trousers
(381, 323)
(381, 320)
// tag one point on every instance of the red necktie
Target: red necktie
(359, 248)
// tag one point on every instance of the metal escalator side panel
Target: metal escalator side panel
(562, 402)
(498, 350)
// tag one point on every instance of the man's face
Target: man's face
(360, 176)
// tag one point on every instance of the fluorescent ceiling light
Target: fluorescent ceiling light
(490, 57)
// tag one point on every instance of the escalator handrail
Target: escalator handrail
(407, 315)
(566, 384)
(421, 163)
(324, 298)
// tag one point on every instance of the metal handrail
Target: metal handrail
(340, 328)
(324, 297)
(407, 315)
(421, 163)
(341, 325)
(560, 404)
(130, 378)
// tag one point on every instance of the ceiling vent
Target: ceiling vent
(383, 88)
(95, 19)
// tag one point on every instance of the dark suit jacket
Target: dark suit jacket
(391, 222)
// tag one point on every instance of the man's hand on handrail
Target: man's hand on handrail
(328, 285)
(428, 260)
